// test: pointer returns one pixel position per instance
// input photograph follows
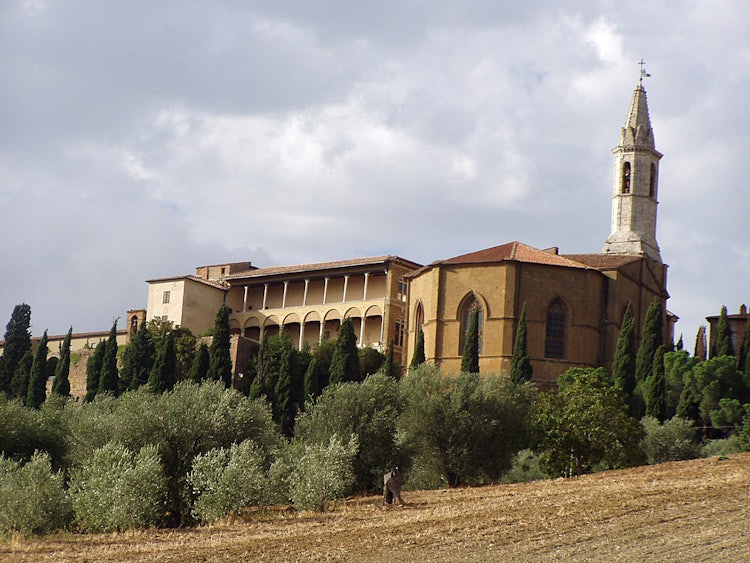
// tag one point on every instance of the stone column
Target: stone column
(244, 301)
(361, 330)
(301, 335)
(325, 291)
(283, 298)
(304, 295)
(265, 294)
(346, 283)
(364, 295)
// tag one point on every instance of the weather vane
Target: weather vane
(644, 74)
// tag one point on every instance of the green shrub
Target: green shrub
(471, 426)
(321, 472)
(32, 498)
(190, 420)
(370, 410)
(118, 490)
(723, 447)
(674, 440)
(526, 466)
(226, 480)
(24, 431)
(585, 426)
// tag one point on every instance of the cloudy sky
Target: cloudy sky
(140, 139)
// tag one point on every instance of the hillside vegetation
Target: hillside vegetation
(692, 510)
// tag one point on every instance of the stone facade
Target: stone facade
(636, 183)
(574, 303)
(584, 296)
(309, 301)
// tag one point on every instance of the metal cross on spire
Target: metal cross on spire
(644, 74)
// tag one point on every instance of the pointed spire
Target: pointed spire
(637, 130)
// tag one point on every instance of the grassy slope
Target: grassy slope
(694, 510)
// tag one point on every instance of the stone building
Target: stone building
(737, 324)
(574, 303)
(309, 301)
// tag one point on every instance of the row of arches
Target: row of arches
(312, 326)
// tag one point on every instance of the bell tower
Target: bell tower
(636, 184)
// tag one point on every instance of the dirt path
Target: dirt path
(697, 511)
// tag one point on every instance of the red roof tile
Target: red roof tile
(514, 251)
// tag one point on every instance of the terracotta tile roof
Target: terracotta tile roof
(317, 267)
(514, 251)
(603, 261)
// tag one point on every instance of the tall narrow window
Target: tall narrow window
(625, 188)
(652, 181)
(554, 343)
(399, 336)
(464, 317)
(419, 318)
(165, 297)
(418, 321)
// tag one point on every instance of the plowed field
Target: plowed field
(686, 511)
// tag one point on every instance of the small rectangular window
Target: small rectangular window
(165, 297)
(164, 318)
(402, 289)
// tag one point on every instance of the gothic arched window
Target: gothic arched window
(464, 316)
(554, 341)
(652, 181)
(418, 321)
(625, 185)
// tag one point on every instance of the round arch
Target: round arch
(374, 311)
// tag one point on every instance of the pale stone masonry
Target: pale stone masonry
(636, 182)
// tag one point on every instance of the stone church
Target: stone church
(574, 303)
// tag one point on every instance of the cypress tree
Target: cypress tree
(520, 364)
(164, 371)
(651, 339)
(418, 358)
(680, 344)
(137, 359)
(345, 360)
(312, 381)
(470, 359)
(17, 343)
(61, 383)
(744, 349)
(722, 346)
(623, 366)
(201, 363)
(699, 351)
(108, 377)
(93, 370)
(318, 370)
(389, 367)
(37, 391)
(19, 385)
(283, 401)
(656, 397)
(259, 387)
(220, 365)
